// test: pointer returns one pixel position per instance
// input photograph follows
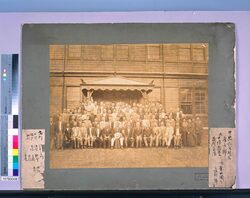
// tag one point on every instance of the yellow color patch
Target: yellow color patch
(15, 151)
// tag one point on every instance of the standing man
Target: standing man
(198, 130)
(184, 131)
(59, 133)
(67, 136)
(52, 134)
(177, 135)
(169, 134)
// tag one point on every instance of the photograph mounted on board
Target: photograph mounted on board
(129, 105)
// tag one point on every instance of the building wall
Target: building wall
(173, 68)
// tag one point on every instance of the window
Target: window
(56, 52)
(122, 52)
(198, 54)
(154, 52)
(186, 100)
(184, 54)
(74, 51)
(107, 52)
(170, 53)
(137, 52)
(92, 52)
(200, 101)
(57, 57)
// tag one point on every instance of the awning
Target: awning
(117, 83)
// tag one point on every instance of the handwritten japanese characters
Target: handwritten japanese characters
(33, 157)
(222, 157)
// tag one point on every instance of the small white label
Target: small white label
(7, 178)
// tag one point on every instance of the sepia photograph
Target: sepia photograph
(129, 105)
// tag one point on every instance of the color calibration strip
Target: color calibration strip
(9, 117)
(12, 152)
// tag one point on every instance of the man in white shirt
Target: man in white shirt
(169, 133)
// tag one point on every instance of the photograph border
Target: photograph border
(35, 92)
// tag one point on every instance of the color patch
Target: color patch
(15, 165)
(15, 151)
(15, 159)
(15, 142)
(15, 172)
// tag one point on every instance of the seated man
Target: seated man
(125, 134)
(117, 137)
(91, 136)
(138, 134)
(75, 132)
(153, 135)
(99, 139)
(83, 135)
(106, 136)
(146, 136)
(159, 136)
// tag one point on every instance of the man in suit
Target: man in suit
(52, 134)
(154, 132)
(184, 131)
(177, 134)
(83, 135)
(138, 134)
(169, 134)
(106, 136)
(117, 137)
(131, 137)
(59, 128)
(67, 137)
(146, 136)
(198, 130)
(99, 138)
(75, 135)
(91, 134)
(160, 133)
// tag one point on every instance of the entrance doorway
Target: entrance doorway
(127, 96)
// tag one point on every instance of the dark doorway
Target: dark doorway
(127, 96)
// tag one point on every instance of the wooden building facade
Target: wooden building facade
(179, 72)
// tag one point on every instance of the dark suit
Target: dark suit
(138, 136)
(198, 131)
(99, 140)
(146, 136)
(106, 136)
(67, 137)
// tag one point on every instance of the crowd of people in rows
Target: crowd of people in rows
(121, 125)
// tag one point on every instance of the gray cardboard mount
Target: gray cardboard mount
(35, 94)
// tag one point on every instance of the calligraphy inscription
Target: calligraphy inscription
(33, 157)
(222, 155)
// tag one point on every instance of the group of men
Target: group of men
(122, 125)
